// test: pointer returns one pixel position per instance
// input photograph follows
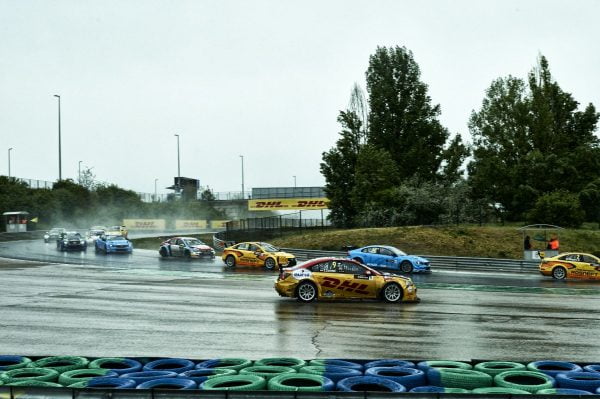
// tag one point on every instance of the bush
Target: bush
(558, 207)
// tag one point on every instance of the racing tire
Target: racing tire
(563, 391)
(459, 378)
(34, 383)
(300, 382)
(232, 363)
(585, 381)
(391, 293)
(406, 267)
(359, 260)
(426, 365)
(389, 363)
(29, 374)
(592, 368)
(371, 384)
(163, 252)
(74, 376)
(335, 363)
(61, 363)
(270, 264)
(168, 383)
(111, 382)
(176, 365)
(408, 377)
(559, 273)
(10, 362)
(117, 364)
(495, 368)
(236, 382)
(334, 373)
(230, 261)
(143, 376)
(292, 362)
(501, 390)
(552, 367)
(306, 292)
(530, 381)
(187, 254)
(435, 389)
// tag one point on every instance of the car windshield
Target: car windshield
(193, 241)
(397, 252)
(96, 232)
(268, 247)
(115, 238)
(73, 236)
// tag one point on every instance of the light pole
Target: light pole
(241, 156)
(178, 166)
(294, 181)
(155, 196)
(59, 146)
(9, 150)
(79, 171)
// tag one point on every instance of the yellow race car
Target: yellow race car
(571, 265)
(333, 278)
(257, 254)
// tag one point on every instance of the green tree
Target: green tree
(375, 173)
(559, 207)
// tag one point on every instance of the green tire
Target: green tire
(459, 378)
(73, 376)
(267, 372)
(61, 363)
(495, 368)
(300, 382)
(292, 362)
(236, 382)
(501, 390)
(34, 383)
(232, 363)
(23, 363)
(79, 384)
(456, 390)
(448, 364)
(29, 374)
(530, 381)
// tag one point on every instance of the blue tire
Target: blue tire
(562, 391)
(169, 383)
(364, 383)
(335, 363)
(233, 363)
(436, 389)
(408, 377)
(116, 383)
(9, 362)
(143, 376)
(552, 367)
(201, 375)
(389, 363)
(175, 365)
(582, 380)
(592, 368)
(334, 373)
(119, 365)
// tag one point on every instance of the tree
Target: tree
(402, 119)
(87, 179)
(207, 195)
(558, 207)
(454, 157)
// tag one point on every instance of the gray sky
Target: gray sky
(263, 79)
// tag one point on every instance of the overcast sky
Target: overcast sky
(262, 79)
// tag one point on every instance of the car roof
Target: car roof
(574, 253)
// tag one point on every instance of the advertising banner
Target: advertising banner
(218, 224)
(190, 224)
(144, 224)
(290, 204)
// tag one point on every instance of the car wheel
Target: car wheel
(392, 293)
(559, 273)
(406, 267)
(270, 264)
(163, 252)
(187, 254)
(230, 261)
(307, 292)
(359, 260)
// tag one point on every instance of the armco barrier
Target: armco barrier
(441, 262)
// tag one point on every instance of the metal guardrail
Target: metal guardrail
(440, 262)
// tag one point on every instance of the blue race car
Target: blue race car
(113, 243)
(390, 258)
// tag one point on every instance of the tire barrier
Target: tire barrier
(142, 376)
(9, 362)
(292, 362)
(73, 376)
(29, 374)
(267, 372)
(60, 363)
(119, 365)
(111, 382)
(235, 383)
(434, 389)
(501, 390)
(371, 384)
(592, 368)
(495, 368)
(449, 364)
(408, 377)
(389, 363)
(582, 380)
(233, 363)
(459, 378)
(201, 375)
(562, 391)
(530, 381)
(336, 363)
(551, 367)
(175, 365)
(169, 383)
(334, 373)
(300, 382)
(34, 383)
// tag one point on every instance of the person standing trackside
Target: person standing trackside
(553, 244)
(527, 243)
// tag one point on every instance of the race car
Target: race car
(113, 243)
(94, 233)
(117, 231)
(571, 265)
(387, 257)
(54, 234)
(257, 254)
(71, 240)
(187, 247)
(338, 278)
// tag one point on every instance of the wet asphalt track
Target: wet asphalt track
(141, 305)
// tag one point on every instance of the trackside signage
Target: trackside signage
(190, 224)
(218, 224)
(144, 224)
(288, 204)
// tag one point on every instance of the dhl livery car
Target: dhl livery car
(332, 278)
(571, 265)
(257, 254)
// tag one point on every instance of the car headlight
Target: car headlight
(65, 241)
(409, 283)
(46, 236)
(82, 241)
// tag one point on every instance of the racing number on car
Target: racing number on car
(330, 282)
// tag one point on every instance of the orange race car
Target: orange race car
(257, 254)
(571, 265)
